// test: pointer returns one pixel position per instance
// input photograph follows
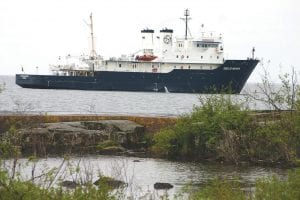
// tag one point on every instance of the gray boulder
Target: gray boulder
(163, 186)
(80, 137)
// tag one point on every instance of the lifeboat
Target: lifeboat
(145, 58)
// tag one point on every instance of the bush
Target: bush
(18, 189)
(220, 189)
(200, 134)
(271, 188)
(222, 130)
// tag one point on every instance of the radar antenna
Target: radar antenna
(93, 53)
(186, 19)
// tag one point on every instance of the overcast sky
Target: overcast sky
(35, 32)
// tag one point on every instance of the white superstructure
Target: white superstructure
(161, 52)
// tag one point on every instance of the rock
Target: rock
(131, 131)
(69, 184)
(140, 154)
(136, 161)
(163, 186)
(113, 150)
(112, 183)
(80, 137)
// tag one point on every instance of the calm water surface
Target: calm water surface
(17, 99)
(141, 175)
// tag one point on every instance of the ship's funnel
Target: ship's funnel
(166, 40)
(147, 41)
(166, 35)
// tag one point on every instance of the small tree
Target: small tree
(278, 97)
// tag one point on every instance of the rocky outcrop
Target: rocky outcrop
(80, 137)
(69, 184)
(163, 186)
(110, 182)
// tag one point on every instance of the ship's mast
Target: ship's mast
(93, 51)
(186, 19)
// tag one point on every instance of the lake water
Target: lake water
(17, 99)
(140, 175)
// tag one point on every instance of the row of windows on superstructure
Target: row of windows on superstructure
(181, 67)
(207, 45)
(181, 56)
(189, 67)
(202, 45)
(177, 56)
(133, 66)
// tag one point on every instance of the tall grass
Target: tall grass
(271, 188)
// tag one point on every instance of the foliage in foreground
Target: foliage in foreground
(17, 189)
(271, 188)
(46, 185)
(221, 129)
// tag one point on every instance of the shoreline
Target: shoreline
(66, 142)
(151, 124)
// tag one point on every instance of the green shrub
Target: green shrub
(274, 188)
(17, 189)
(220, 189)
(202, 133)
(271, 188)
(221, 129)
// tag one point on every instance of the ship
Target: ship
(165, 63)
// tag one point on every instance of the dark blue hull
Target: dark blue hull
(232, 75)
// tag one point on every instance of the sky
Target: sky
(34, 33)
